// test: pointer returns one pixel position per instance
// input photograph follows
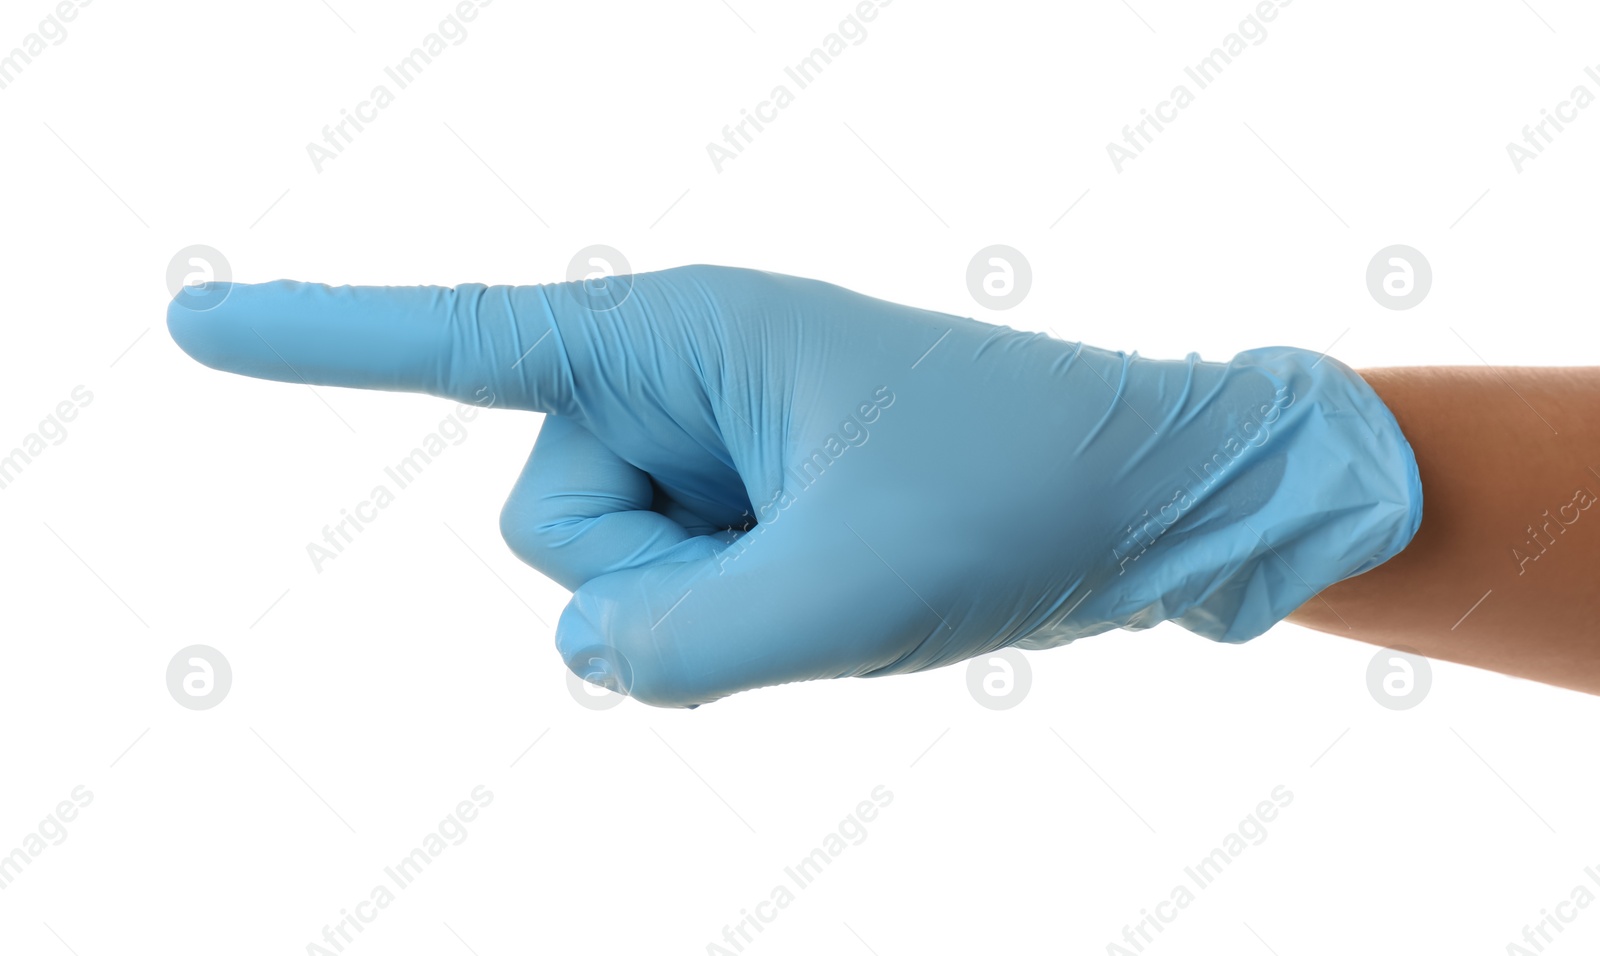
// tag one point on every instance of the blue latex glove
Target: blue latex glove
(749, 479)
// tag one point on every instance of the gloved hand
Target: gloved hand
(749, 479)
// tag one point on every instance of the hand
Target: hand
(749, 479)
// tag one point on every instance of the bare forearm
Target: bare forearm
(1504, 572)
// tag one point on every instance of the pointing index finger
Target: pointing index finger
(460, 343)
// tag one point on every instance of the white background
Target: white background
(370, 698)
